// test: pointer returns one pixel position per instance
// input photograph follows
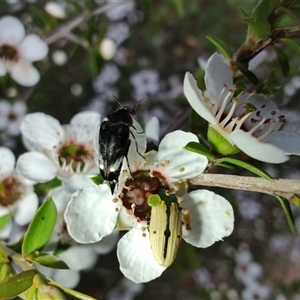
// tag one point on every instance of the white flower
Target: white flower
(73, 256)
(145, 83)
(248, 122)
(17, 198)
(119, 32)
(94, 212)
(257, 291)
(108, 76)
(56, 10)
(17, 52)
(63, 151)
(11, 116)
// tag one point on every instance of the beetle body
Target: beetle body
(165, 231)
(114, 142)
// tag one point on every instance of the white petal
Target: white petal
(152, 130)
(217, 74)
(27, 208)
(42, 130)
(171, 148)
(288, 141)
(67, 278)
(33, 48)
(36, 166)
(76, 182)
(195, 98)
(74, 255)
(91, 214)
(24, 73)
(212, 218)
(12, 31)
(136, 259)
(107, 243)
(85, 124)
(61, 198)
(256, 149)
(7, 161)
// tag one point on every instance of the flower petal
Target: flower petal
(211, 215)
(91, 214)
(85, 125)
(7, 161)
(217, 74)
(12, 30)
(67, 278)
(136, 259)
(27, 208)
(33, 48)
(24, 73)
(76, 182)
(42, 130)
(107, 243)
(36, 166)
(256, 149)
(195, 98)
(183, 163)
(288, 141)
(152, 130)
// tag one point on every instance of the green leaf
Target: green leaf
(248, 74)
(40, 228)
(221, 45)
(48, 260)
(288, 213)
(15, 285)
(3, 256)
(73, 293)
(200, 149)
(4, 220)
(283, 61)
(292, 44)
(244, 165)
(97, 179)
(42, 188)
(258, 30)
(263, 9)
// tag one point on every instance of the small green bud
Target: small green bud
(48, 292)
(219, 143)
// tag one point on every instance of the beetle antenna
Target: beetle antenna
(117, 100)
(133, 109)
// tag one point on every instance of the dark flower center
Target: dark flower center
(7, 52)
(138, 189)
(11, 190)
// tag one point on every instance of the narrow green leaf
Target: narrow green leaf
(288, 213)
(225, 165)
(4, 220)
(48, 260)
(283, 60)
(97, 179)
(3, 256)
(244, 165)
(221, 45)
(200, 149)
(73, 293)
(30, 294)
(40, 228)
(248, 74)
(292, 44)
(15, 285)
(263, 9)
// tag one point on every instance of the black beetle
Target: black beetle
(114, 142)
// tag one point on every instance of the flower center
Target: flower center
(75, 157)
(139, 188)
(7, 52)
(11, 190)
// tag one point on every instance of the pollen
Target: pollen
(227, 213)
(167, 161)
(133, 163)
(182, 169)
(143, 160)
(226, 228)
(180, 180)
(117, 210)
(115, 200)
(161, 165)
(144, 234)
(180, 200)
